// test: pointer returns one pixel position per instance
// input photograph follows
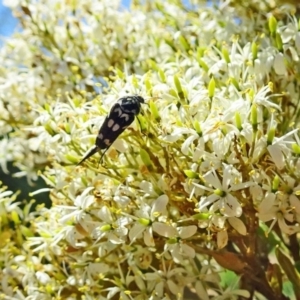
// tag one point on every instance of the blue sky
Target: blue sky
(7, 22)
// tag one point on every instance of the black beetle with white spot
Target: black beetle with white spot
(119, 118)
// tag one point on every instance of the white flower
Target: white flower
(112, 228)
(175, 245)
(148, 216)
(120, 284)
(233, 292)
(276, 208)
(279, 65)
(82, 203)
(262, 98)
(166, 278)
(148, 188)
(43, 277)
(221, 198)
(280, 150)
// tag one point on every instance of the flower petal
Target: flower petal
(238, 225)
(222, 239)
(187, 231)
(160, 204)
(164, 229)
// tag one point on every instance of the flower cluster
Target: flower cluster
(202, 180)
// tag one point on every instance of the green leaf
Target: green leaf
(26, 231)
(274, 276)
(15, 217)
(144, 221)
(254, 50)
(73, 159)
(289, 269)
(272, 25)
(297, 266)
(142, 122)
(235, 83)
(191, 174)
(211, 88)
(203, 65)
(271, 135)
(120, 73)
(154, 110)
(225, 54)
(146, 158)
(178, 87)
(238, 121)
(296, 149)
(254, 117)
(202, 216)
(162, 75)
(148, 84)
(184, 43)
(279, 42)
(275, 184)
(197, 127)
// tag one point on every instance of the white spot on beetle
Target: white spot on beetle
(116, 127)
(107, 142)
(100, 136)
(110, 123)
(118, 110)
(126, 116)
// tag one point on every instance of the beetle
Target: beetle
(121, 115)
